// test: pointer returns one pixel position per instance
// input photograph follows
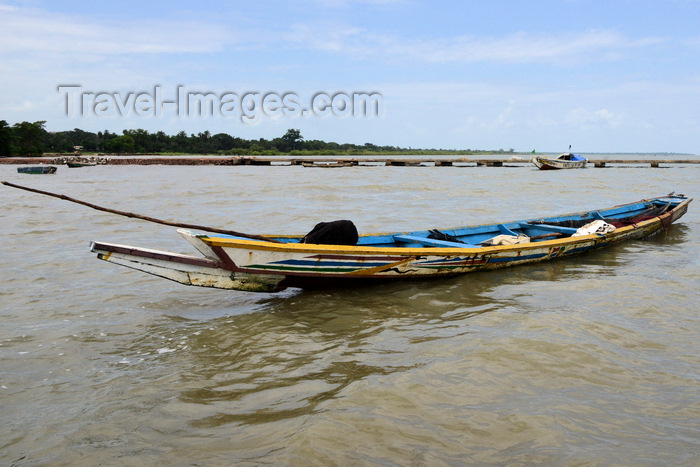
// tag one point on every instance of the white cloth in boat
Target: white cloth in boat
(596, 227)
(507, 240)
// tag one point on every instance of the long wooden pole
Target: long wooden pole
(145, 218)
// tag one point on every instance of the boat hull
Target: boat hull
(45, 169)
(545, 163)
(262, 266)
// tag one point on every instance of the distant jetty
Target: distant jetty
(313, 161)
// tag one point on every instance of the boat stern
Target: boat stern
(185, 269)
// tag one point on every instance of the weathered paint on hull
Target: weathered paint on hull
(187, 270)
(544, 163)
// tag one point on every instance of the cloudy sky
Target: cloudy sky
(603, 76)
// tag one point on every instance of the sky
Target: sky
(602, 76)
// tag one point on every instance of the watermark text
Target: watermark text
(250, 106)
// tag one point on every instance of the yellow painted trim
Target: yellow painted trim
(407, 251)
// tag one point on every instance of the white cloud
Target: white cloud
(519, 47)
(81, 37)
(584, 118)
(34, 30)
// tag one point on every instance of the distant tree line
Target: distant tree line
(31, 139)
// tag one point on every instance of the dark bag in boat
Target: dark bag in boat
(332, 233)
(437, 235)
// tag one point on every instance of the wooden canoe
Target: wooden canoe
(233, 262)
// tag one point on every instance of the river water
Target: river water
(588, 361)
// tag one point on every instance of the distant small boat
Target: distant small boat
(75, 164)
(78, 160)
(562, 161)
(38, 169)
(566, 160)
(327, 164)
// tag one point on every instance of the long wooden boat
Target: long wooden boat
(566, 160)
(269, 264)
(78, 164)
(328, 164)
(37, 169)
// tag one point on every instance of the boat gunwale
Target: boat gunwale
(242, 243)
(558, 158)
(410, 251)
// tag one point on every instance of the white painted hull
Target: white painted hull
(546, 163)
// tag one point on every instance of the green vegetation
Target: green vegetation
(31, 139)
(22, 139)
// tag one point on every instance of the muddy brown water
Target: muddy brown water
(591, 360)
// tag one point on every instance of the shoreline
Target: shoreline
(130, 160)
(317, 161)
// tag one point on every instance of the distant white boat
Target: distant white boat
(566, 160)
